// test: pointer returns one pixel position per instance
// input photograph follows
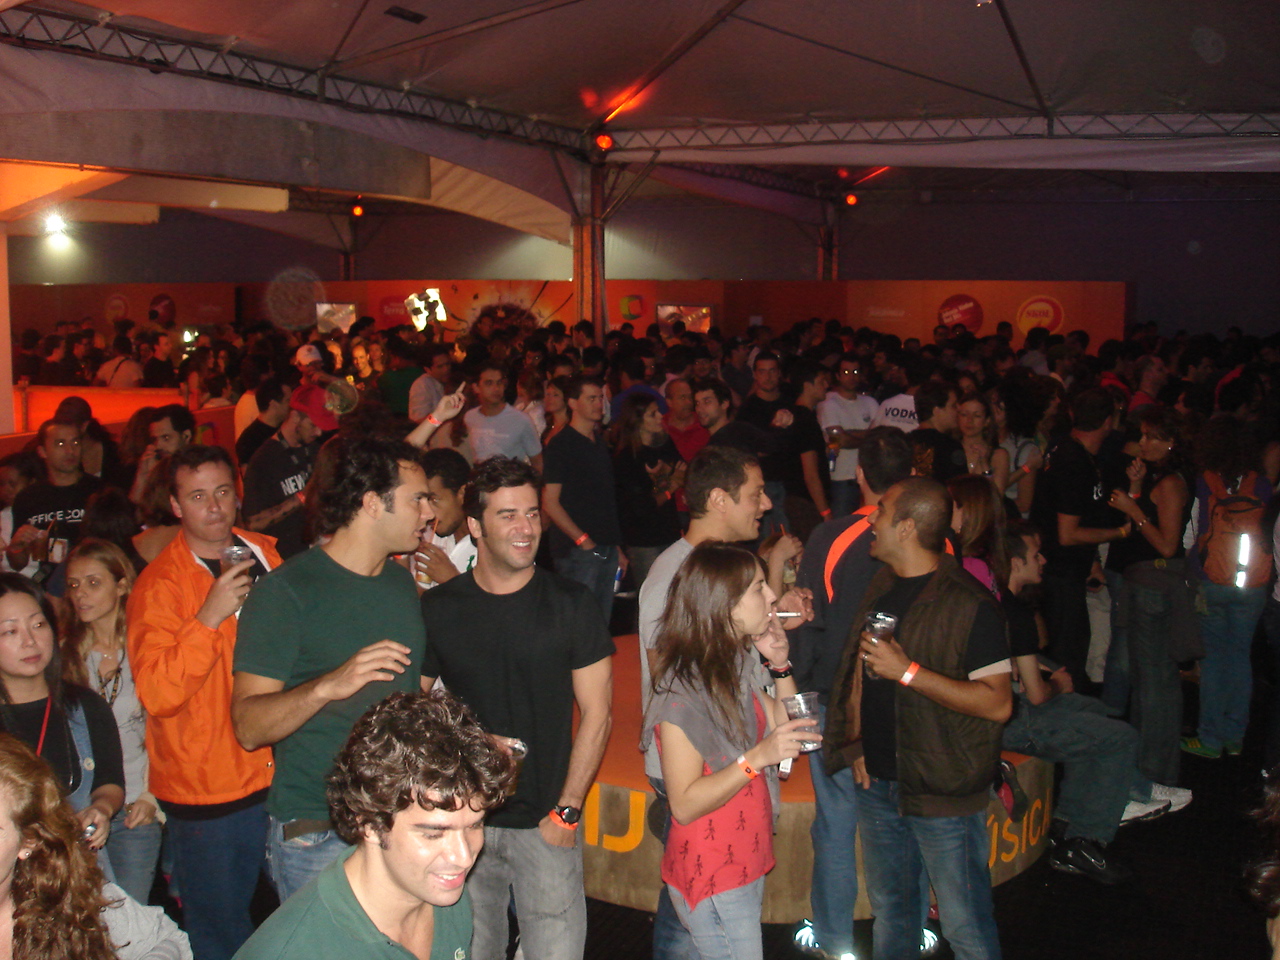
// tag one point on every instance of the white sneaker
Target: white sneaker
(1178, 797)
(1135, 811)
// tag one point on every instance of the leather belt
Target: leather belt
(300, 828)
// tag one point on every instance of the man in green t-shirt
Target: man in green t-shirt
(409, 792)
(327, 635)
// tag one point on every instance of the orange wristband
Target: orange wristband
(581, 540)
(749, 770)
(560, 822)
(909, 674)
(431, 419)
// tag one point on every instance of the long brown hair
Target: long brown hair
(982, 529)
(697, 641)
(76, 639)
(628, 428)
(57, 887)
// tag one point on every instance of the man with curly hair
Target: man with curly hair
(409, 792)
(329, 634)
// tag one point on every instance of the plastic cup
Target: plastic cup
(228, 557)
(518, 750)
(800, 706)
(881, 626)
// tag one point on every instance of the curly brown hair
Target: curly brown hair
(423, 748)
(57, 886)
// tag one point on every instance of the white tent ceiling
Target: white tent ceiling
(776, 92)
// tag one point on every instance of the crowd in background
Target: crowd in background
(1122, 463)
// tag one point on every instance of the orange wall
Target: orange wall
(215, 425)
(909, 308)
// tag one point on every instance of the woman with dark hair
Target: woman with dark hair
(1155, 599)
(54, 901)
(983, 453)
(1025, 405)
(647, 471)
(555, 409)
(99, 579)
(68, 725)
(1232, 560)
(708, 708)
(978, 519)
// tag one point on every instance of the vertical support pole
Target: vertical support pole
(829, 245)
(7, 424)
(588, 257)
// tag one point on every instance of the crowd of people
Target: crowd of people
(916, 532)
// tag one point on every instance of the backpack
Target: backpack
(1233, 516)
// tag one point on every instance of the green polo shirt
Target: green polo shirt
(324, 921)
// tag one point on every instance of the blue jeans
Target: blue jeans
(549, 898)
(295, 863)
(1115, 681)
(845, 497)
(725, 926)
(835, 863)
(1226, 674)
(134, 855)
(671, 941)
(596, 570)
(216, 863)
(1099, 756)
(954, 851)
(1155, 685)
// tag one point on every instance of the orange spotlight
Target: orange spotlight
(851, 199)
(604, 141)
(357, 208)
(842, 173)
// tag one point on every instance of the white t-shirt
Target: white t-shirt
(855, 414)
(508, 433)
(899, 411)
(461, 551)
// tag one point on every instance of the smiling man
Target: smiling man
(522, 646)
(409, 792)
(333, 631)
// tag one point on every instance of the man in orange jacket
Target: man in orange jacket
(182, 630)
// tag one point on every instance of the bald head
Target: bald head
(926, 502)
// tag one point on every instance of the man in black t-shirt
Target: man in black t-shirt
(767, 409)
(808, 474)
(938, 453)
(579, 498)
(521, 646)
(279, 471)
(47, 514)
(1070, 510)
(1101, 786)
(272, 397)
(918, 716)
(158, 371)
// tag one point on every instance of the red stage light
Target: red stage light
(604, 141)
(357, 208)
(842, 173)
(851, 199)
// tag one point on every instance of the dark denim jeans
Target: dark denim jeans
(1271, 623)
(954, 851)
(216, 863)
(134, 854)
(1226, 674)
(1115, 681)
(295, 863)
(1155, 685)
(596, 570)
(1066, 617)
(1099, 756)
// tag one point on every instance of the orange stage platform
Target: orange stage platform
(622, 856)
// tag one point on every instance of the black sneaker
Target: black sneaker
(1088, 858)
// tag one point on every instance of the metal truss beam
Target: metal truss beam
(1146, 126)
(103, 40)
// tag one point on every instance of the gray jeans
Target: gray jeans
(550, 904)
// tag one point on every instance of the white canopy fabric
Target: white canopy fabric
(1141, 85)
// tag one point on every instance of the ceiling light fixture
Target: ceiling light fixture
(54, 223)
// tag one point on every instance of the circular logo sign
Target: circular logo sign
(1040, 312)
(961, 310)
(632, 307)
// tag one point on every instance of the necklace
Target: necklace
(114, 682)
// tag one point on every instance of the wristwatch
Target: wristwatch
(568, 816)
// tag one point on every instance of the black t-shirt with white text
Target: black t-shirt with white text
(41, 504)
(276, 473)
(510, 658)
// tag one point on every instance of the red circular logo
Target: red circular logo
(1040, 312)
(961, 310)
